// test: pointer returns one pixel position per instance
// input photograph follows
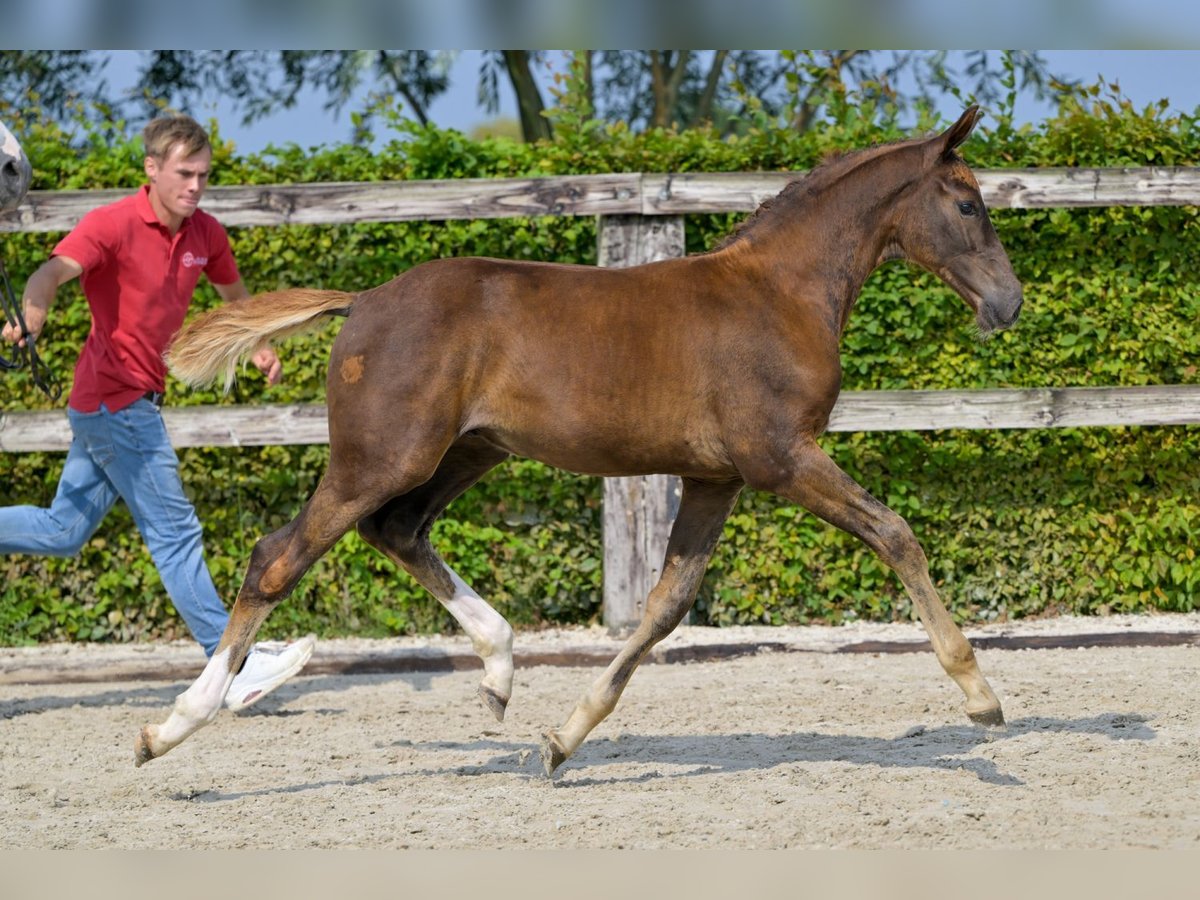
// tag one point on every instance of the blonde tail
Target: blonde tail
(212, 344)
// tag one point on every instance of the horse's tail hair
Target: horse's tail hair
(212, 345)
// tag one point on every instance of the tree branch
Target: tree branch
(534, 125)
(712, 82)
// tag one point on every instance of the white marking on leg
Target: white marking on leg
(490, 634)
(195, 707)
(593, 707)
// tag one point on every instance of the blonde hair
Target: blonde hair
(161, 135)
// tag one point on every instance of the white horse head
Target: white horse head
(15, 171)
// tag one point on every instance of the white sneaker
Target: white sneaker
(268, 665)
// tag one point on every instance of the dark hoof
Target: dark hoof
(553, 754)
(493, 702)
(141, 749)
(988, 718)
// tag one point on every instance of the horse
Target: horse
(720, 367)
(15, 170)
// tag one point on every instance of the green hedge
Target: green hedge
(1016, 523)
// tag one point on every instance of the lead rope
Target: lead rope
(42, 377)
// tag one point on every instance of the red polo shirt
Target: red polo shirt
(138, 281)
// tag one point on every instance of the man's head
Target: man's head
(162, 134)
(178, 158)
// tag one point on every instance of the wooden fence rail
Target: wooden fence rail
(304, 423)
(606, 195)
(641, 219)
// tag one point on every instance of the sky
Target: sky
(1145, 76)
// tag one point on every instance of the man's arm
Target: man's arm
(235, 290)
(39, 295)
(265, 359)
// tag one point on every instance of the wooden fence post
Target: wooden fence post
(638, 511)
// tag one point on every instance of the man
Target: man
(140, 259)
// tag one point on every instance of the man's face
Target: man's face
(179, 181)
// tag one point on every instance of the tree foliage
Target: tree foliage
(642, 88)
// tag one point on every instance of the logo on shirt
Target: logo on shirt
(190, 259)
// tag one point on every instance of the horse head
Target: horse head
(15, 171)
(944, 228)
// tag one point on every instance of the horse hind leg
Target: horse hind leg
(703, 509)
(400, 530)
(277, 563)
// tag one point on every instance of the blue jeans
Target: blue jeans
(126, 454)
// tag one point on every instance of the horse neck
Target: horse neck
(833, 234)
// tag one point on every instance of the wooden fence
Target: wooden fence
(601, 195)
(641, 219)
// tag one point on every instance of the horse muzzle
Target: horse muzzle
(997, 313)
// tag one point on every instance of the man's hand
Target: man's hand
(38, 296)
(268, 363)
(35, 321)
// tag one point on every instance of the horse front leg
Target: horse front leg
(816, 483)
(703, 509)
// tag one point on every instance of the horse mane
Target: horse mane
(836, 165)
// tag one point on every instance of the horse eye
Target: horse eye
(967, 208)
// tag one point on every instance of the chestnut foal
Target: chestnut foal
(721, 368)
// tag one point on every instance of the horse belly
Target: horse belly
(614, 446)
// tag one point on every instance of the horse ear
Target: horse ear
(953, 136)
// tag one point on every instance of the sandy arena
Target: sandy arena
(767, 738)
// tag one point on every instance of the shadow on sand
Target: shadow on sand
(943, 748)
